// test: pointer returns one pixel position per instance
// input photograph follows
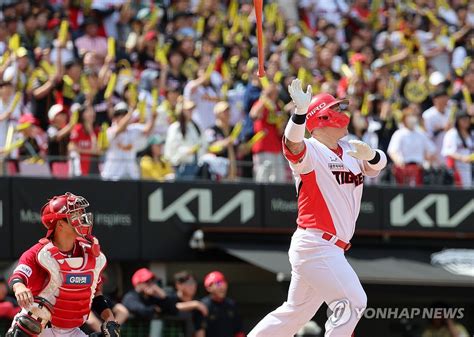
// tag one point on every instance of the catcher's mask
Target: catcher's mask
(68, 207)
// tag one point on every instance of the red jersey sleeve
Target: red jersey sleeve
(28, 270)
(294, 158)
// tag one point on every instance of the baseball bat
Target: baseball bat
(258, 4)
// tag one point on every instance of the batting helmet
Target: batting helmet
(69, 207)
(326, 111)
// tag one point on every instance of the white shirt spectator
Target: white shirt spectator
(235, 97)
(120, 159)
(410, 146)
(67, 54)
(177, 147)
(428, 42)
(205, 98)
(435, 120)
(453, 144)
(330, 10)
(459, 56)
(11, 120)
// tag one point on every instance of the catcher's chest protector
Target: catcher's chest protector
(72, 283)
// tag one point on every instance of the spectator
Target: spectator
(267, 153)
(91, 41)
(153, 165)
(8, 306)
(20, 69)
(167, 113)
(223, 319)
(409, 148)
(70, 86)
(184, 143)
(222, 143)
(83, 145)
(58, 133)
(34, 139)
(190, 310)
(436, 120)
(124, 140)
(465, 96)
(203, 94)
(10, 106)
(147, 299)
(458, 147)
(43, 85)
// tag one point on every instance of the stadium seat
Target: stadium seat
(11, 168)
(60, 169)
(31, 169)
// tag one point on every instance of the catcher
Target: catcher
(57, 282)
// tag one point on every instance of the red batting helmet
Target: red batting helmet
(326, 111)
(70, 207)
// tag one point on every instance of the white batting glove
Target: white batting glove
(361, 151)
(300, 98)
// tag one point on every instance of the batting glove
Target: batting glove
(361, 150)
(300, 98)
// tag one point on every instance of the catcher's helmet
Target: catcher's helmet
(69, 207)
(326, 111)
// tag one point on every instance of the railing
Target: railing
(65, 167)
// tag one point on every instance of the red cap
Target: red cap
(142, 275)
(213, 277)
(150, 35)
(322, 112)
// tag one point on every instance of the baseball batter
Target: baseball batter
(329, 176)
(58, 281)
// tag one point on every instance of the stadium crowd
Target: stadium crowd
(167, 90)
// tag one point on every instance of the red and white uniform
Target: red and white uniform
(329, 188)
(68, 282)
(329, 185)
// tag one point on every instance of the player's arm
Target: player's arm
(373, 161)
(102, 307)
(19, 281)
(295, 129)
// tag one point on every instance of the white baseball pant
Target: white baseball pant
(56, 332)
(320, 273)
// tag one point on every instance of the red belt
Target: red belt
(333, 239)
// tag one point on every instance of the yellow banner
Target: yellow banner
(256, 138)
(109, 90)
(236, 131)
(14, 42)
(63, 31)
(111, 47)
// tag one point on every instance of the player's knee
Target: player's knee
(359, 300)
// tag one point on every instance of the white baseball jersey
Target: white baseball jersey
(329, 188)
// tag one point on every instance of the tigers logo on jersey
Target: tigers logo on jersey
(347, 177)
